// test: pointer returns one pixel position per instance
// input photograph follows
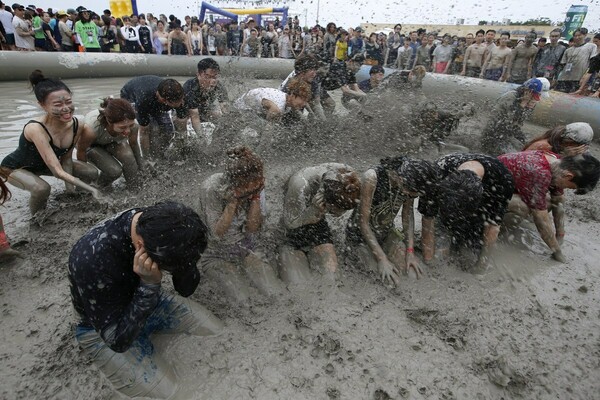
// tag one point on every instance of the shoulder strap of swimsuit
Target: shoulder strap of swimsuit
(75, 130)
(42, 125)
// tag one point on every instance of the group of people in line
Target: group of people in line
(116, 268)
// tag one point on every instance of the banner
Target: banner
(573, 21)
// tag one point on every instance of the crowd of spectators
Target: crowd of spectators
(569, 67)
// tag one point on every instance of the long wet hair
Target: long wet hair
(43, 86)
(243, 165)
(418, 176)
(342, 188)
(554, 137)
(299, 88)
(4, 192)
(115, 110)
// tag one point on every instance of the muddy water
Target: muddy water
(528, 328)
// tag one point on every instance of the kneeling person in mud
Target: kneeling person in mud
(435, 124)
(387, 188)
(115, 274)
(305, 69)
(234, 205)
(310, 195)
(112, 143)
(537, 173)
(342, 75)
(470, 202)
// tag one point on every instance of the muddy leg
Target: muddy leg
(182, 315)
(323, 259)
(262, 275)
(123, 152)
(110, 168)
(294, 267)
(85, 171)
(39, 188)
(229, 278)
(366, 259)
(6, 252)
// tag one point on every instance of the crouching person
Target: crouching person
(115, 274)
(234, 206)
(310, 194)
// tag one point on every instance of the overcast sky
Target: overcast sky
(351, 13)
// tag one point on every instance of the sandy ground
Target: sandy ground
(528, 328)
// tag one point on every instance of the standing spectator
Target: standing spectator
(547, 62)
(39, 39)
(356, 43)
(220, 40)
(195, 38)
(66, 34)
(575, 62)
(109, 35)
(404, 55)
(374, 56)
(162, 37)
(341, 46)
(285, 44)
(590, 83)
(252, 45)
(23, 32)
(87, 32)
(442, 56)
(394, 43)
(9, 30)
(49, 43)
(145, 35)
(490, 42)
(131, 35)
(270, 41)
(211, 48)
(474, 56)
(178, 43)
(497, 60)
(311, 43)
(520, 66)
(423, 56)
(458, 57)
(329, 41)
(233, 39)
(297, 41)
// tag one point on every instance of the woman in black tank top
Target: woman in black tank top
(387, 188)
(46, 146)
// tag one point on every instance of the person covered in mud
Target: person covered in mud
(520, 66)
(437, 124)
(405, 81)
(112, 142)
(115, 274)
(305, 69)
(153, 97)
(233, 204)
(376, 75)
(386, 188)
(271, 104)
(537, 173)
(507, 117)
(310, 195)
(470, 202)
(46, 146)
(566, 140)
(342, 75)
(205, 97)
(7, 253)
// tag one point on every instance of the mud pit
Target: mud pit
(528, 328)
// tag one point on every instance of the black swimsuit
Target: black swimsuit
(27, 156)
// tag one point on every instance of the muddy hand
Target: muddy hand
(388, 272)
(145, 268)
(413, 264)
(318, 200)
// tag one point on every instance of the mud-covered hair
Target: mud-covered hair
(459, 196)
(208, 63)
(243, 165)
(174, 234)
(4, 191)
(170, 90)
(43, 86)
(299, 88)
(419, 176)
(586, 171)
(554, 137)
(114, 110)
(342, 188)
(306, 62)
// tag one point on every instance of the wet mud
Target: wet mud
(528, 327)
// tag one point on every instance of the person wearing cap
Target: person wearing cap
(342, 75)
(115, 272)
(537, 173)
(508, 116)
(305, 69)
(66, 34)
(356, 44)
(39, 39)
(376, 75)
(566, 140)
(23, 33)
(9, 30)
(153, 97)
(87, 32)
(310, 195)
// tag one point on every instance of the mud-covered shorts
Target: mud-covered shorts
(310, 235)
